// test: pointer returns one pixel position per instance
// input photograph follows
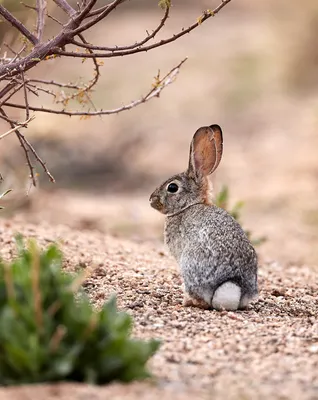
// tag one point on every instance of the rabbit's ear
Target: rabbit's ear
(205, 151)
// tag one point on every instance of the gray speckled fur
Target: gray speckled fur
(211, 248)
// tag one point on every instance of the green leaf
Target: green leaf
(164, 4)
(222, 199)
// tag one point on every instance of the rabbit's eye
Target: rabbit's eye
(172, 188)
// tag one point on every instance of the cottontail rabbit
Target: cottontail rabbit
(218, 263)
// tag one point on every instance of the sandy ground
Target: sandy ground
(268, 351)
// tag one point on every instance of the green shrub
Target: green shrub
(49, 334)
(222, 200)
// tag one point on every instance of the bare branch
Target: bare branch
(32, 90)
(17, 126)
(6, 90)
(9, 120)
(39, 159)
(28, 6)
(53, 47)
(157, 88)
(63, 4)
(82, 14)
(15, 88)
(133, 46)
(34, 57)
(35, 89)
(13, 68)
(54, 19)
(23, 145)
(206, 15)
(98, 10)
(41, 9)
(27, 146)
(17, 24)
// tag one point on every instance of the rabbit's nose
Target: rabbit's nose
(154, 201)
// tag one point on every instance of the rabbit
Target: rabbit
(217, 261)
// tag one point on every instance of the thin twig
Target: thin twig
(17, 24)
(27, 111)
(35, 89)
(97, 11)
(17, 56)
(41, 9)
(54, 19)
(99, 17)
(39, 159)
(18, 125)
(30, 89)
(16, 89)
(81, 14)
(154, 92)
(24, 147)
(28, 6)
(63, 4)
(132, 46)
(7, 89)
(9, 120)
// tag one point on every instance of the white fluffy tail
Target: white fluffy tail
(227, 297)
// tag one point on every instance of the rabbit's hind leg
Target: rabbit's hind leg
(227, 297)
(191, 301)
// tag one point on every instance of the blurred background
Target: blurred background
(253, 69)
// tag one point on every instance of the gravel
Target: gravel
(268, 351)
